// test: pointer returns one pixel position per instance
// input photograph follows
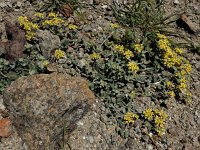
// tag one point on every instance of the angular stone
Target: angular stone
(47, 42)
(5, 127)
(42, 105)
(188, 25)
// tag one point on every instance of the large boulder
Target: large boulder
(41, 106)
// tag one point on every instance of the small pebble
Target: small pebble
(80, 123)
(19, 4)
(91, 139)
(105, 6)
(150, 147)
(2, 5)
(176, 2)
(90, 18)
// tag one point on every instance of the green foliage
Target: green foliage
(55, 5)
(29, 65)
(134, 61)
(143, 14)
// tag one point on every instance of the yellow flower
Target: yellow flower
(158, 117)
(39, 15)
(160, 131)
(179, 51)
(119, 48)
(171, 93)
(183, 80)
(181, 73)
(115, 25)
(53, 22)
(22, 19)
(59, 54)
(189, 94)
(128, 54)
(164, 44)
(95, 56)
(52, 14)
(171, 59)
(130, 117)
(138, 47)
(46, 22)
(161, 114)
(30, 35)
(34, 26)
(45, 63)
(57, 21)
(170, 84)
(161, 36)
(182, 87)
(159, 121)
(148, 113)
(186, 67)
(28, 26)
(72, 27)
(132, 66)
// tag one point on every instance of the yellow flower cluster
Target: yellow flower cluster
(130, 117)
(122, 50)
(138, 48)
(171, 93)
(158, 117)
(148, 113)
(53, 22)
(182, 85)
(72, 27)
(115, 25)
(28, 26)
(45, 63)
(163, 42)
(170, 84)
(186, 68)
(170, 57)
(128, 54)
(95, 56)
(119, 48)
(59, 54)
(53, 15)
(178, 50)
(30, 35)
(39, 15)
(173, 58)
(132, 66)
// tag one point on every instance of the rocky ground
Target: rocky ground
(95, 131)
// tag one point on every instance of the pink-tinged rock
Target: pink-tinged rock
(42, 105)
(5, 127)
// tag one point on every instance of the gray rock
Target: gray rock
(97, 2)
(176, 2)
(19, 4)
(82, 63)
(47, 42)
(88, 28)
(150, 147)
(2, 5)
(90, 18)
(2, 107)
(42, 105)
